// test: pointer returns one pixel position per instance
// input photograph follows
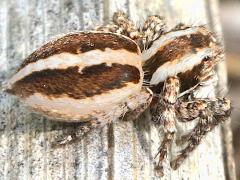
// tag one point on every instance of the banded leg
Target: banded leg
(164, 114)
(153, 28)
(122, 25)
(195, 138)
(75, 132)
(215, 112)
(187, 111)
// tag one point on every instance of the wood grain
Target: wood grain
(124, 149)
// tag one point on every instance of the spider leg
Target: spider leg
(75, 131)
(187, 111)
(121, 24)
(164, 114)
(130, 110)
(152, 29)
(215, 112)
(203, 126)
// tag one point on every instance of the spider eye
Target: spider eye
(207, 58)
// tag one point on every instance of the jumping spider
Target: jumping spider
(99, 76)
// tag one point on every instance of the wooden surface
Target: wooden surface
(123, 150)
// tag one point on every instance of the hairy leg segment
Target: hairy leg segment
(164, 114)
(209, 113)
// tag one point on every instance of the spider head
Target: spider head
(187, 52)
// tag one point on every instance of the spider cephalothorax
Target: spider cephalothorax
(102, 74)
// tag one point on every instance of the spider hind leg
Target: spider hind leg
(152, 29)
(121, 24)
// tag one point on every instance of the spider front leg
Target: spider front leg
(164, 114)
(211, 113)
(188, 111)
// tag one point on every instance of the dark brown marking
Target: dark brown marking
(81, 42)
(187, 79)
(92, 80)
(176, 49)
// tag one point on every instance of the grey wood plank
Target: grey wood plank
(122, 150)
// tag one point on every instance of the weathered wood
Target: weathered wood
(230, 169)
(123, 150)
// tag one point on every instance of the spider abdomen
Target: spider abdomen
(81, 76)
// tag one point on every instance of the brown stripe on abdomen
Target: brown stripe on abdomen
(82, 42)
(176, 49)
(92, 80)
